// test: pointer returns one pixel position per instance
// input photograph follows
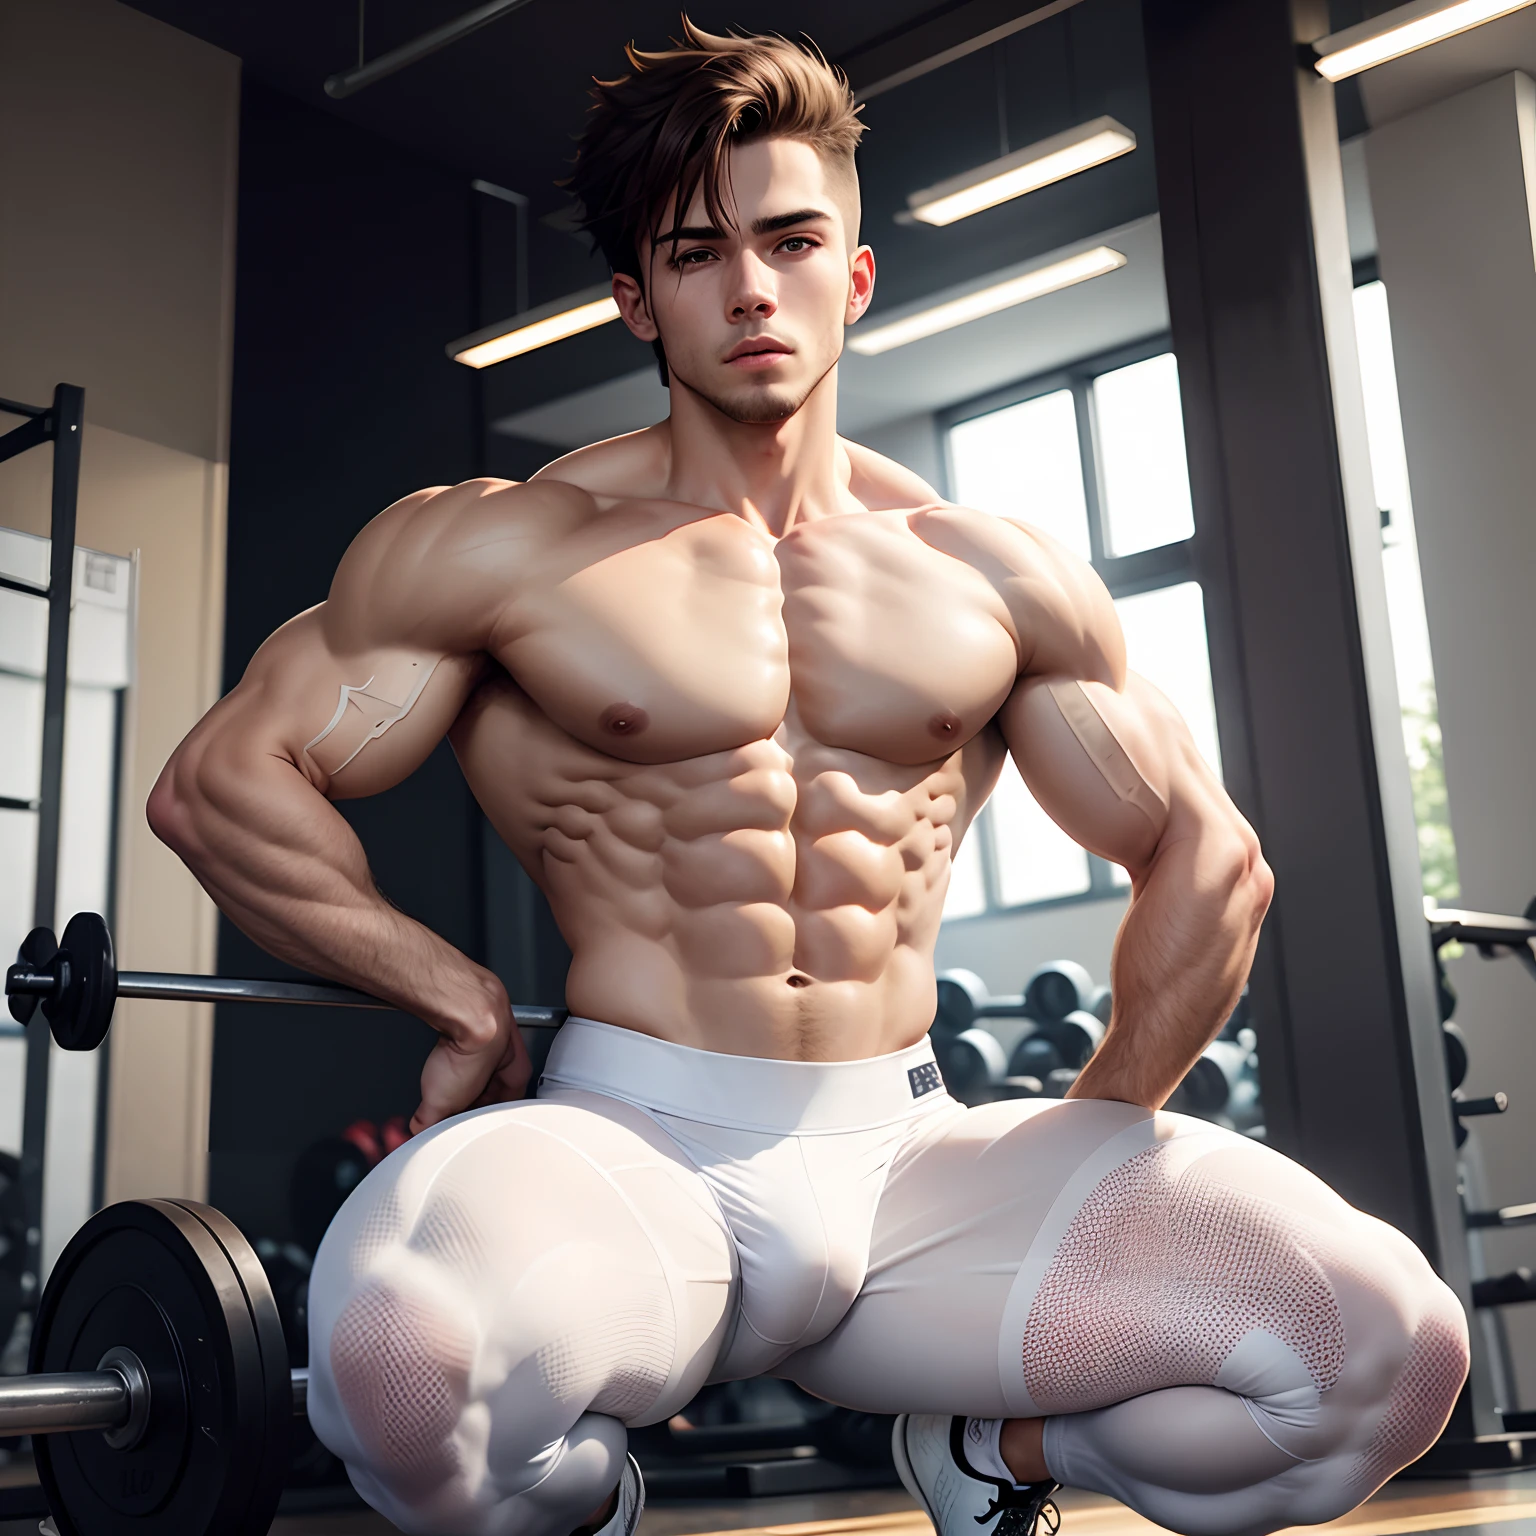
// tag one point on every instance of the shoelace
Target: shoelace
(1023, 1510)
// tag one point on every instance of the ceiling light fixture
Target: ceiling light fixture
(1403, 30)
(1025, 170)
(987, 301)
(569, 316)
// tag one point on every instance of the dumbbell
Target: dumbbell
(961, 996)
(973, 1059)
(77, 982)
(161, 1398)
(1210, 1084)
(1056, 989)
(1057, 1043)
(1035, 1055)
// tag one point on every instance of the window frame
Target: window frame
(1147, 570)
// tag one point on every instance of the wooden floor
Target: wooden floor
(1506, 1502)
(1397, 1510)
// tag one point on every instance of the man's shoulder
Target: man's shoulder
(883, 485)
(486, 522)
(450, 555)
(625, 468)
(1061, 612)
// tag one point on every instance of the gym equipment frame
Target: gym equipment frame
(63, 425)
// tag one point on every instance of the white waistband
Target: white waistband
(754, 1093)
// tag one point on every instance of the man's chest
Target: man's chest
(700, 640)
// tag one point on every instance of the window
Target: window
(1405, 594)
(1095, 457)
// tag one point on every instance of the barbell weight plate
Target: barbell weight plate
(37, 949)
(276, 1412)
(82, 1013)
(150, 1276)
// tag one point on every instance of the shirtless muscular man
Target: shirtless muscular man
(732, 689)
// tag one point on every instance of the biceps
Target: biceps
(352, 724)
(1109, 767)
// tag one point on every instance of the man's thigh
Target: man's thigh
(1043, 1256)
(964, 1203)
(543, 1258)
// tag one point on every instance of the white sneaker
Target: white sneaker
(930, 1458)
(631, 1503)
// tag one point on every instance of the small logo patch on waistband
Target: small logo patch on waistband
(924, 1079)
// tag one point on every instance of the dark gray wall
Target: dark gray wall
(356, 262)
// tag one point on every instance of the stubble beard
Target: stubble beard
(760, 407)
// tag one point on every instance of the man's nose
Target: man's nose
(753, 296)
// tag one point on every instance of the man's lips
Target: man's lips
(759, 353)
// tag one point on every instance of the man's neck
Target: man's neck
(774, 475)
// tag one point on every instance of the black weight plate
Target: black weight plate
(271, 1468)
(81, 1017)
(37, 949)
(150, 1276)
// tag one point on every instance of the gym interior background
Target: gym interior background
(256, 286)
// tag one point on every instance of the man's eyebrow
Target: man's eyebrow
(788, 220)
(765, 226)
(690, 232)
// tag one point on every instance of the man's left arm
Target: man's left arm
(1113, 764)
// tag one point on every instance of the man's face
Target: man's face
(752, 317)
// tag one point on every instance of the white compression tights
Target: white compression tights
(1213, 1335)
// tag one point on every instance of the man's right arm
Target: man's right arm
(347, 700)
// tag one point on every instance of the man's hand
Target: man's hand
(481, 1059)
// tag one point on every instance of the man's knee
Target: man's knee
(1427, 1376)
(399, 1364)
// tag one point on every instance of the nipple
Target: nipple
(945, 725)
(624, 719)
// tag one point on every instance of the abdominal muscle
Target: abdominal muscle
(779, 899)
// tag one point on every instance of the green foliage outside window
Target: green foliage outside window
(1431, 810)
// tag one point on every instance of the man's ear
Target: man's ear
(861, 283)
(633, 309)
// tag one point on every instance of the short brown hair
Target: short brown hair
(668, 126)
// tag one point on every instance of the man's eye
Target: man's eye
(686, 259)
(798, 243)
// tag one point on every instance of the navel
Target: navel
(945, 725)
(624, 719)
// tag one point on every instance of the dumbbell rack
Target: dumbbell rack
(63, 424)
(1492, 935)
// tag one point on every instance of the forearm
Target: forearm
(1181, 958)
(285, 867)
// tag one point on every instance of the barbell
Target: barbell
(77, 983)
(160, 1392)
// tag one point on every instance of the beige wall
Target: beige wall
(117, 193)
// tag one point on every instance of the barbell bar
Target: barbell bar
(77, 982)
(114, 1399)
